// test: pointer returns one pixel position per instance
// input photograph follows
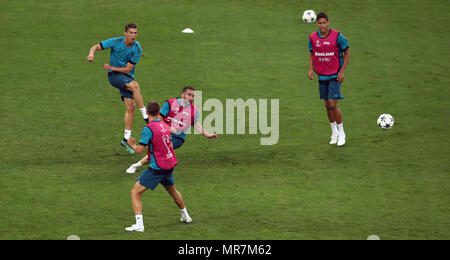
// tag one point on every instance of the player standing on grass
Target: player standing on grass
(329, 58)
(179, 114)
(125, 54)
(156, 138)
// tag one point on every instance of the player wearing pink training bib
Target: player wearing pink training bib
(328, 59)
(179, 114)
(156, 139)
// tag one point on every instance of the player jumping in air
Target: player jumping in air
(125, 54)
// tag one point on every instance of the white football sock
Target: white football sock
(127, 134)
(341, 128)
(144, 112)
(334, 128)
(138, 164)
(139, 220)
(184, 212)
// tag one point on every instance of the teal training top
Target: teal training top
(122, 54)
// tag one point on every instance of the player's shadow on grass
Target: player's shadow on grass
(126, 155)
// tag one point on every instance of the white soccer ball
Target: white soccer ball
(385, 121)
(309, 16)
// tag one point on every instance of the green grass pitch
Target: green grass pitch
(62, 167)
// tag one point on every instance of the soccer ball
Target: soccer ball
(309, 16)
(385, 121)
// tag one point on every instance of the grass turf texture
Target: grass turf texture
(62, 167)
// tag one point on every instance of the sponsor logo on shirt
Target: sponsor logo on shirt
(324, 54)
(318, 43)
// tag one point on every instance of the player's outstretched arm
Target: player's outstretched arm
(90, 57)
(198, 127)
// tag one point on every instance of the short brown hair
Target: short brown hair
(188, 87)
(130, 25)
(153, 108)
(322, 15)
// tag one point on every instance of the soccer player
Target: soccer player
(179, 114)
(125, 54)
(156, 138)
(329, 56)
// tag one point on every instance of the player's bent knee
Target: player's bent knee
(137, 190)
(133, 86)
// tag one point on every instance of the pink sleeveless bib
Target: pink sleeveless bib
(162, 146)
(325, 53)
(179, 117)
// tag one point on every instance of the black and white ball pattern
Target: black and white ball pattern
(309, 16)
(385, 121)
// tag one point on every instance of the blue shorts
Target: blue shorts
(177, 142)
(330, 89)
(150, 178)
(119, 80)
